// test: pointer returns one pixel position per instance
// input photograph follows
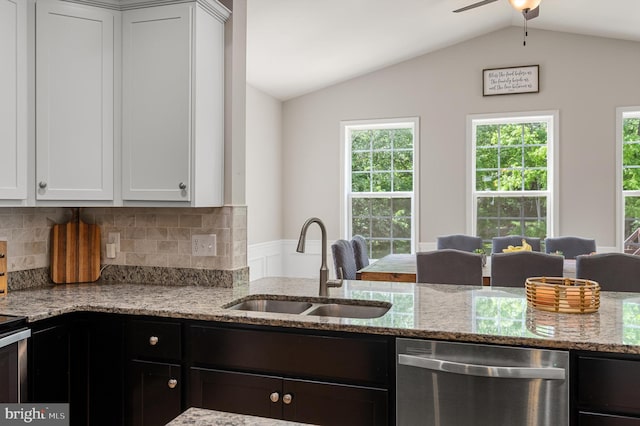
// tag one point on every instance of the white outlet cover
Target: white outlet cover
(203, 245)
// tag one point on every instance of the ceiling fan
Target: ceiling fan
(530, 8)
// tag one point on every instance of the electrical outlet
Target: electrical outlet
(114, 238)
(203, 245)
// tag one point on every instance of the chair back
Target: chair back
(342, 252)
(360, 251)
(613, 271)
(449, 266)
(500, 243)
(459, 242)
(512, 269)
(571, 247)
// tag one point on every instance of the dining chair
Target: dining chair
(344, 260)
(449, 266)
(500, 243)
(512, 269)
(613, 271)
(360, 251)
(570, 246)
(459, 242)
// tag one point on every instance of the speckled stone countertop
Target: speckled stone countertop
(448, 312)
(201, 417)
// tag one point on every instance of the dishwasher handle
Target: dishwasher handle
(548, 373)
(10, 339)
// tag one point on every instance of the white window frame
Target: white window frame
(345, 170)
(621, 114)
(552, 118)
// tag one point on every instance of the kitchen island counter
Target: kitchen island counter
(203, 417)
(428, 311)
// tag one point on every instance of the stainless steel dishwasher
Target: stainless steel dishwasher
(458, 384)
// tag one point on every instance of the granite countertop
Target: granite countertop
(203, 417)
(449, 312)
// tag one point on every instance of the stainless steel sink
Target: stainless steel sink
(349, 311)
(312, 306)
(267, 305)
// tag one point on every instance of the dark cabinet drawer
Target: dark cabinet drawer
(595, 419)
(357, 359)
(609, 385)
(154, 340)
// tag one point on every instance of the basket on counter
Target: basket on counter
(559, 294)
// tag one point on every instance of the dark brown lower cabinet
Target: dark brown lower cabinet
(153, 393)
(288, 399)
(594, 419)
(606, 390)
(323, 378)
(49, 363)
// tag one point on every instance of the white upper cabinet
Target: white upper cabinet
(13, 100)
(173, 94)
(75, 54)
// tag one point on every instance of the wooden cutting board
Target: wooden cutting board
(75, 252)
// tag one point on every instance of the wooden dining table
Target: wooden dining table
(402, 268)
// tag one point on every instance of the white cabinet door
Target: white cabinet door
(157, 103)
(13, 99)
(74, 101)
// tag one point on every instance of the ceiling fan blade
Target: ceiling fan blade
(474, 5)
(530, 14)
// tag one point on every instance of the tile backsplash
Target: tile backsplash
(149, 237)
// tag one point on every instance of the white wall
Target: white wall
(585, 78)
(264, 183)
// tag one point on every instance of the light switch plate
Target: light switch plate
(203, 245)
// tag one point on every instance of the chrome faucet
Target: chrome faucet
(325, 283)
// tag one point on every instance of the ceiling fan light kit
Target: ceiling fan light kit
(529, 8)
(522, 5)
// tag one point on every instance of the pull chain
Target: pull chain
(524, 15)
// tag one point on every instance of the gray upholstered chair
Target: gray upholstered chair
(459, 242)
(512, 269)
(343, 259)
(613, 271)
(571, 247)
(449, 266)
(360, 251)
(500, 243)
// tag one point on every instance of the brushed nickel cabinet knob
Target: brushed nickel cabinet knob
(172, 383)
(274, 397)
(153, 340)
(287, 398)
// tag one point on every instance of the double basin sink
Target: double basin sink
(306, 306)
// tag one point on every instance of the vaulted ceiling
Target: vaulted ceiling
(298, 46)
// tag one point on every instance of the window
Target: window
(629, 137)
(512, 172)
(380, 184)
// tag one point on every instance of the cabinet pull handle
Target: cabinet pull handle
(153, 340)
(172, 383)
(274, 397)
(287, 398)
(1, 255)
(42, 184)
(182, 186)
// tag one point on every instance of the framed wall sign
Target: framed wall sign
(509, 81)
